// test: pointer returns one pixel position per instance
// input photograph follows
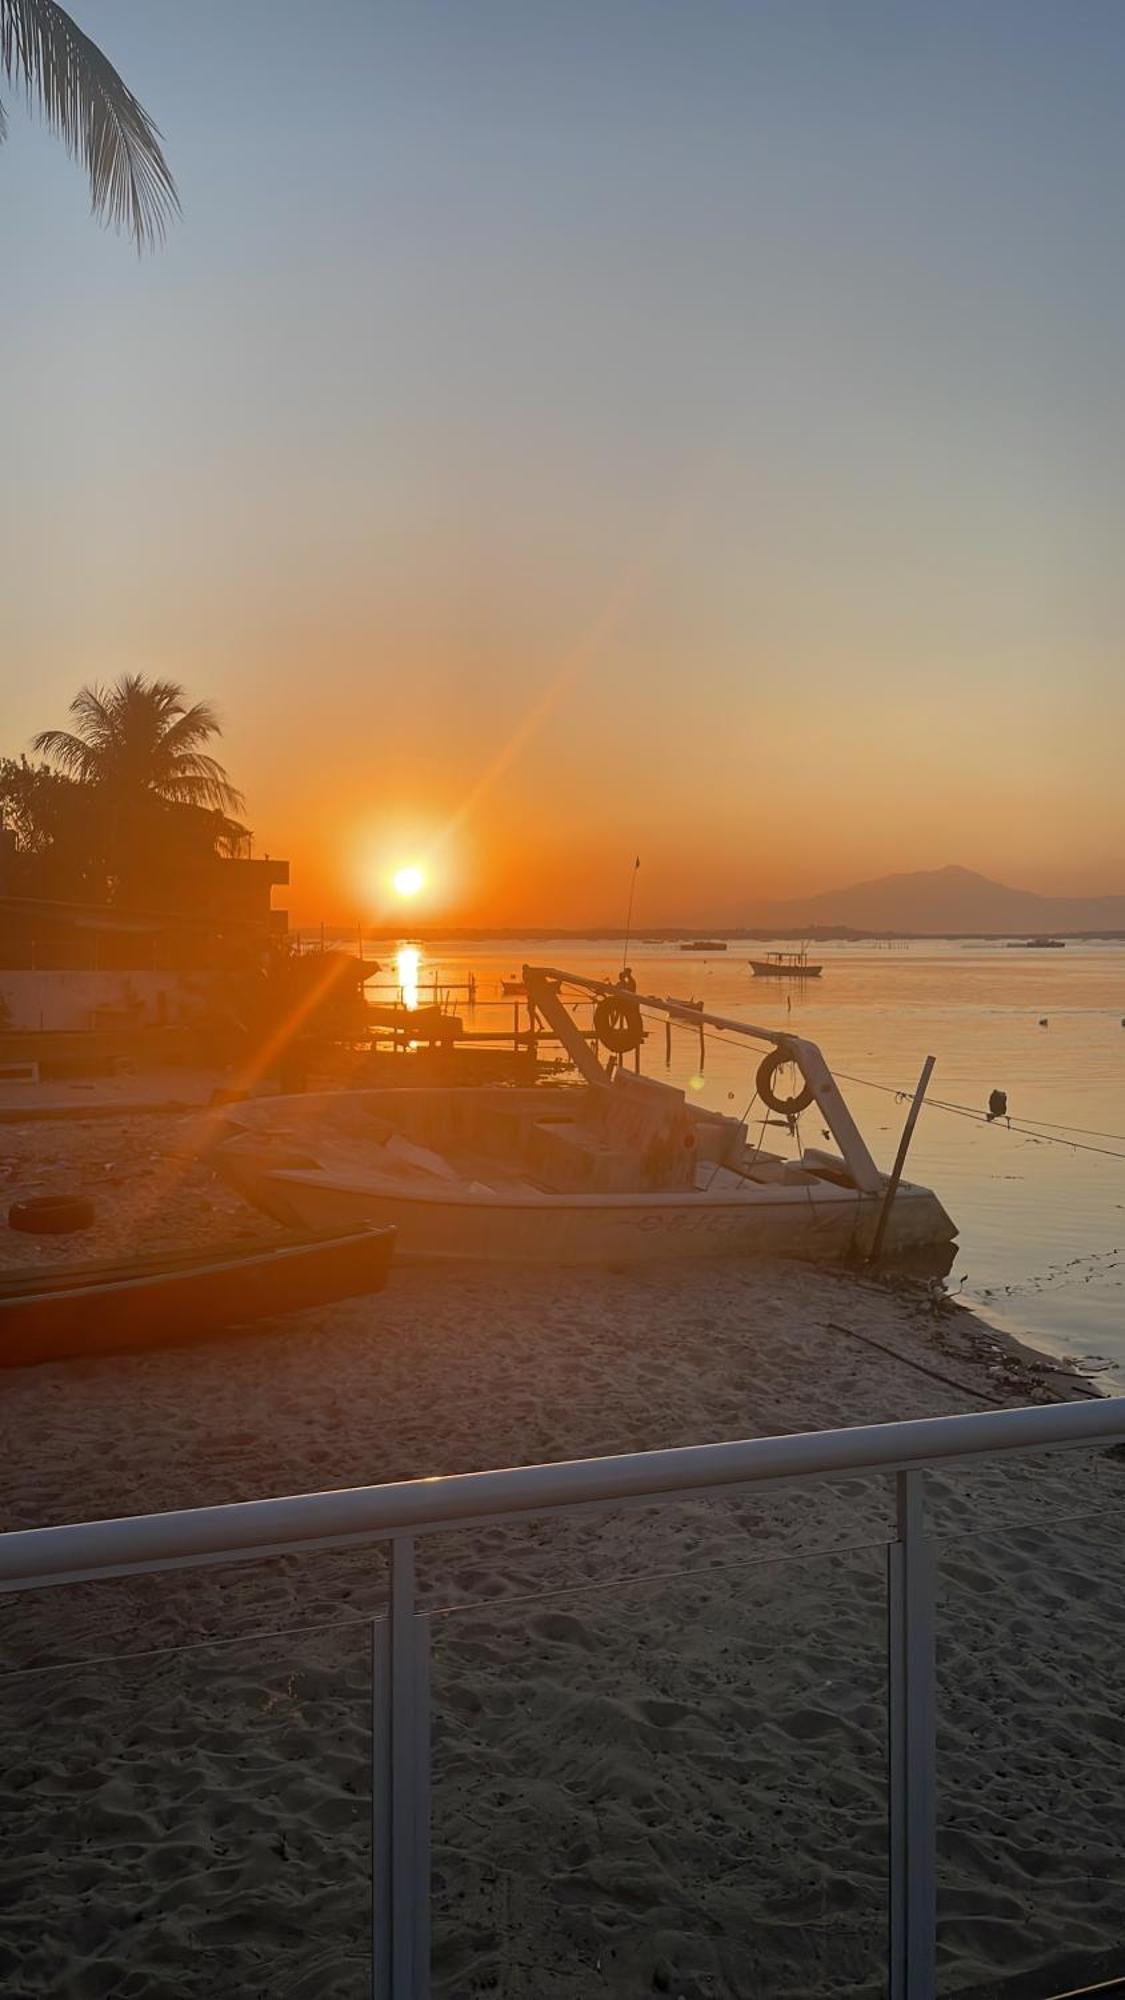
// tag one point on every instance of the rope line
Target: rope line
(1023, 1128)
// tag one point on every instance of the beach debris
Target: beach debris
(1044, 1021)
(997, 1105)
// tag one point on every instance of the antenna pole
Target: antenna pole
(629, 914)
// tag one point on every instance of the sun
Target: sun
(408, 881)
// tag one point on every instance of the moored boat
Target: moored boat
(166, 1298)
(785, 965)
(705, 944)
(615, 1168)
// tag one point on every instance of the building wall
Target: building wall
(71, 1000)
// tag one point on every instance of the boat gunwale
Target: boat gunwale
(78, 1282)
(827, 1193)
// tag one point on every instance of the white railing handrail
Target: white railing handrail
(246, 1529)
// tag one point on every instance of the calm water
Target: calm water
(1040, 1222)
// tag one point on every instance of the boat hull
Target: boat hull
(762, 970)
(110, 1309)
(828, 1224)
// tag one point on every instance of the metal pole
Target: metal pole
(380, 1812)
(912, 1749)
(401, 1791)
(900, 1160)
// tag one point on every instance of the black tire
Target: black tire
(786, 1107)
(51, 1214)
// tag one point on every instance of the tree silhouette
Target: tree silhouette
(139, 737)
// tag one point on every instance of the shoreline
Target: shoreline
(1013, 1357)
(675, 934)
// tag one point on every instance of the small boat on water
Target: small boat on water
(705, 944)
(785, 965)
(167, 1298)
(513, 989)
(616, 1168)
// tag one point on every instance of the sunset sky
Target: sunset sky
(566, 429)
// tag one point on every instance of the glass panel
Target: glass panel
(1022, 1489)
(192, 1822)
(675, 1786)
(1031, 1723)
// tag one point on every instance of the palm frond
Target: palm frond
(100, 122)
(168, 696)
(92, 710)
(72, 755)
(201, 781)
(194, 726)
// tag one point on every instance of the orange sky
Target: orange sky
(702, 442)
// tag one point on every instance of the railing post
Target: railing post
(912, 1748)
(400, 1790)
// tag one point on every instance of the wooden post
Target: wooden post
(900, 1160)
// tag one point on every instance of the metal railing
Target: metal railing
(39, 1558)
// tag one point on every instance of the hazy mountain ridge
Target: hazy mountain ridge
(942, 900)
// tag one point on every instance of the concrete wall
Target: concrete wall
(36, 1000)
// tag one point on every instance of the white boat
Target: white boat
(785, 965)
(616, 1168)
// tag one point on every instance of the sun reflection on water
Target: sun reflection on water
(407, 960)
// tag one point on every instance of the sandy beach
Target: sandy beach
(658, 1737)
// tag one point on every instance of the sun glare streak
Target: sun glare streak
(582, 655)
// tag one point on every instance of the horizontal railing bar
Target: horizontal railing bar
(362, 1538)
(249, 1529)
(366, 1538)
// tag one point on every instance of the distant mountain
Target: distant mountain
(944, 900)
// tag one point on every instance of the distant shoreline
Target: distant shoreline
(668, 934)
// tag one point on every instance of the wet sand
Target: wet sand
(658, 1738)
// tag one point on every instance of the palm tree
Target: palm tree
(140, 738)
(85, 101)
